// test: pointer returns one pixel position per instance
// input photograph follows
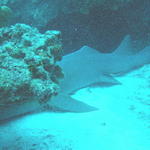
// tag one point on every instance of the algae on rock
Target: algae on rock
(28, 69)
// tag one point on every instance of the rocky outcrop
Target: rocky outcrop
(28, 69)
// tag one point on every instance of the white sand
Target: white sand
(121, 123)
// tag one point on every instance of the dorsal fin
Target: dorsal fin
(125, 47)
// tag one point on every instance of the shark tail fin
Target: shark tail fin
(125, 47)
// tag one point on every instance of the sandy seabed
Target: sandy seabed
(121, 123)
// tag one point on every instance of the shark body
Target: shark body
(82, 68)
(88, 66)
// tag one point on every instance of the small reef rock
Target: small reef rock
(28, 69)
(5, 15)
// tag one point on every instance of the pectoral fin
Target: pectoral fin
(68, 104)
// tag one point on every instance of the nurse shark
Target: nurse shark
(82, 68)
(88, 66)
